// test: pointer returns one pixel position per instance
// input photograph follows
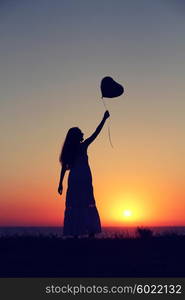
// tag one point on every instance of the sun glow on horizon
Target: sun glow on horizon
(128, 208)
(127, 213)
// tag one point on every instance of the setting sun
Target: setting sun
(129, 208)
(127, 213)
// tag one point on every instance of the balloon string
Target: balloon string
(108, 125)
(110, 136)
(104, 104)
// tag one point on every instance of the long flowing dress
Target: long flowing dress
(81, 215)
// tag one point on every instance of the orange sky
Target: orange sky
(50, 74)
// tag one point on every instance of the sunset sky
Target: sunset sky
(53, 55)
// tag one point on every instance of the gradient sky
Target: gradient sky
(53, 55)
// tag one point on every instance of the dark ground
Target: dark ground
(29, 256)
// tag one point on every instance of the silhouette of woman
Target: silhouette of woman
(81, 215)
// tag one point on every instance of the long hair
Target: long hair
(70, 147)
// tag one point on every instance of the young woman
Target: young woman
(81, 215)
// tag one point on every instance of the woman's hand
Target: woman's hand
(60, 189)
(106, 115)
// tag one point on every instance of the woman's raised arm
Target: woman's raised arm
(98, 129)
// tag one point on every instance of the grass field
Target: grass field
(41, 256)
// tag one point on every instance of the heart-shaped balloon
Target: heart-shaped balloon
(111, 88)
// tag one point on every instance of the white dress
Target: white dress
(81, 215)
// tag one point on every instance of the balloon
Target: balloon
(111, 88)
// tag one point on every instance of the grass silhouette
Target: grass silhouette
(145, 255)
